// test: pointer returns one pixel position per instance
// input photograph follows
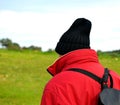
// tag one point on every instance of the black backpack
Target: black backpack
(108, 95)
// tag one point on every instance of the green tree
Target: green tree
(14, 46)
(6, 42)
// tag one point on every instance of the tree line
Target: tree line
(9, 44)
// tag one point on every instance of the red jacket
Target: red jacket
(73, 88)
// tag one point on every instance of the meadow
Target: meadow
(23, 74)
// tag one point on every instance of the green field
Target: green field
(23, 75)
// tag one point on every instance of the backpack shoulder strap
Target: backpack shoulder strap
(93, 76)
(105, 79)
(102, 81)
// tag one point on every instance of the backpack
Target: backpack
(108, 95)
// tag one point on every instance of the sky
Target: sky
(42, 22)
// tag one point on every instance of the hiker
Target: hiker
(72, 88)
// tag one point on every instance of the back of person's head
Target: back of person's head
(76, 37)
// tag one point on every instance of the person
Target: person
(69, 87)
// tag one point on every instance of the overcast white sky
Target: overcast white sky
(42, 22)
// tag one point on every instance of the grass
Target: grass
(111, 61)
(23, 75)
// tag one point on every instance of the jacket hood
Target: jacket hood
(72, 58)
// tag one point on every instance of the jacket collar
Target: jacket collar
(71, 59)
